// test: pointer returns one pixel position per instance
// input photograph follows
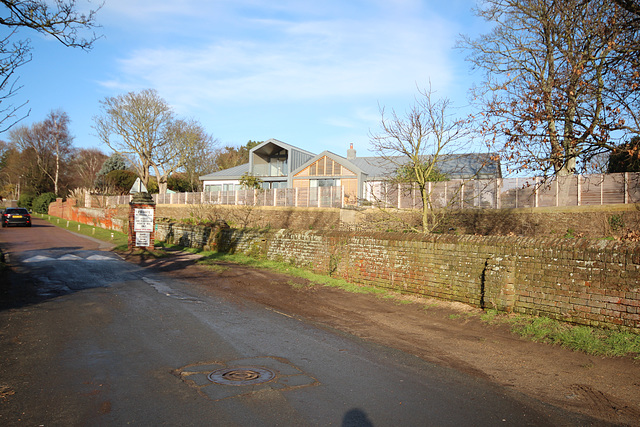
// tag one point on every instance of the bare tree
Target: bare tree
(632, 6)
(135, 125)
(59, 19)
(142, 128)
(86, 164)
(187, 147)
(559, 80)
(50, 142)
(414, 147)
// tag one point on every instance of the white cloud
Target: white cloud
(284, 61)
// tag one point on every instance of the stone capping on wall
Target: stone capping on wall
(591, 282)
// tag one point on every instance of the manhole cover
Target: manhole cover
(241, 376)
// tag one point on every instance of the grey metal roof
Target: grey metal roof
(232, 173)
(455, 166)
(284, 145)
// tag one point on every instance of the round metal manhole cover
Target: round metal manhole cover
(241, 376)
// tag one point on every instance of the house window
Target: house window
(278, 163)
(267, 185)
(324, 183)
(213, 188)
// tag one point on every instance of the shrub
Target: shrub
(26, 200)
(41, 203)
(120, 181)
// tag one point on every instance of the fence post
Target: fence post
(535, 192)
(517, 187)
(557, 192)
(579, 189)
(446, 195)
(626, 188)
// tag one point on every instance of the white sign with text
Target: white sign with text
(143, 220)
(143, 239)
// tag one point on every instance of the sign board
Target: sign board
(143, 239)
(143, 220)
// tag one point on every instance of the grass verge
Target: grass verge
(119, 239)
(590, 340)
(214, 259)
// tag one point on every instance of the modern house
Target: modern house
(280, 165)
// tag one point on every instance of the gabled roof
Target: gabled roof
(333, 156)
(280, 144)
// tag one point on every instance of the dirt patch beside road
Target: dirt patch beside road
(439, 332)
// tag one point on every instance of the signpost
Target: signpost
(142, 210)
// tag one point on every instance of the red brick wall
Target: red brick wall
(103, 218)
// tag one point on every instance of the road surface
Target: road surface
(89, 339)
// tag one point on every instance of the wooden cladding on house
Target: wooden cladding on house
(325, 167)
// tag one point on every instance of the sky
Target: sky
(311, 74)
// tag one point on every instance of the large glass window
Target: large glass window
(278, 163)
(213, 188)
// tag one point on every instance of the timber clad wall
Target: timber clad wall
(577, 280)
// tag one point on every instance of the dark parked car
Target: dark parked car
(16, 216)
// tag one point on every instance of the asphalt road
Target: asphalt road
(88, 339)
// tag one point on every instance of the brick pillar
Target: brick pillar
(142, 201)
(499, 283)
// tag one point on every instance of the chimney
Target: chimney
(351, 153)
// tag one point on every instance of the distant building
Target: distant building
(280, 165)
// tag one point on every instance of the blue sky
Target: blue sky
(311, 74)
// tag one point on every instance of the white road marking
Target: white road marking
(38, 258)
(100, 258)
(68, 257)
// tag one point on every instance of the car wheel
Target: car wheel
(28, 225)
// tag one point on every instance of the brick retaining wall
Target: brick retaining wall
(103, 218)
(591, 282)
